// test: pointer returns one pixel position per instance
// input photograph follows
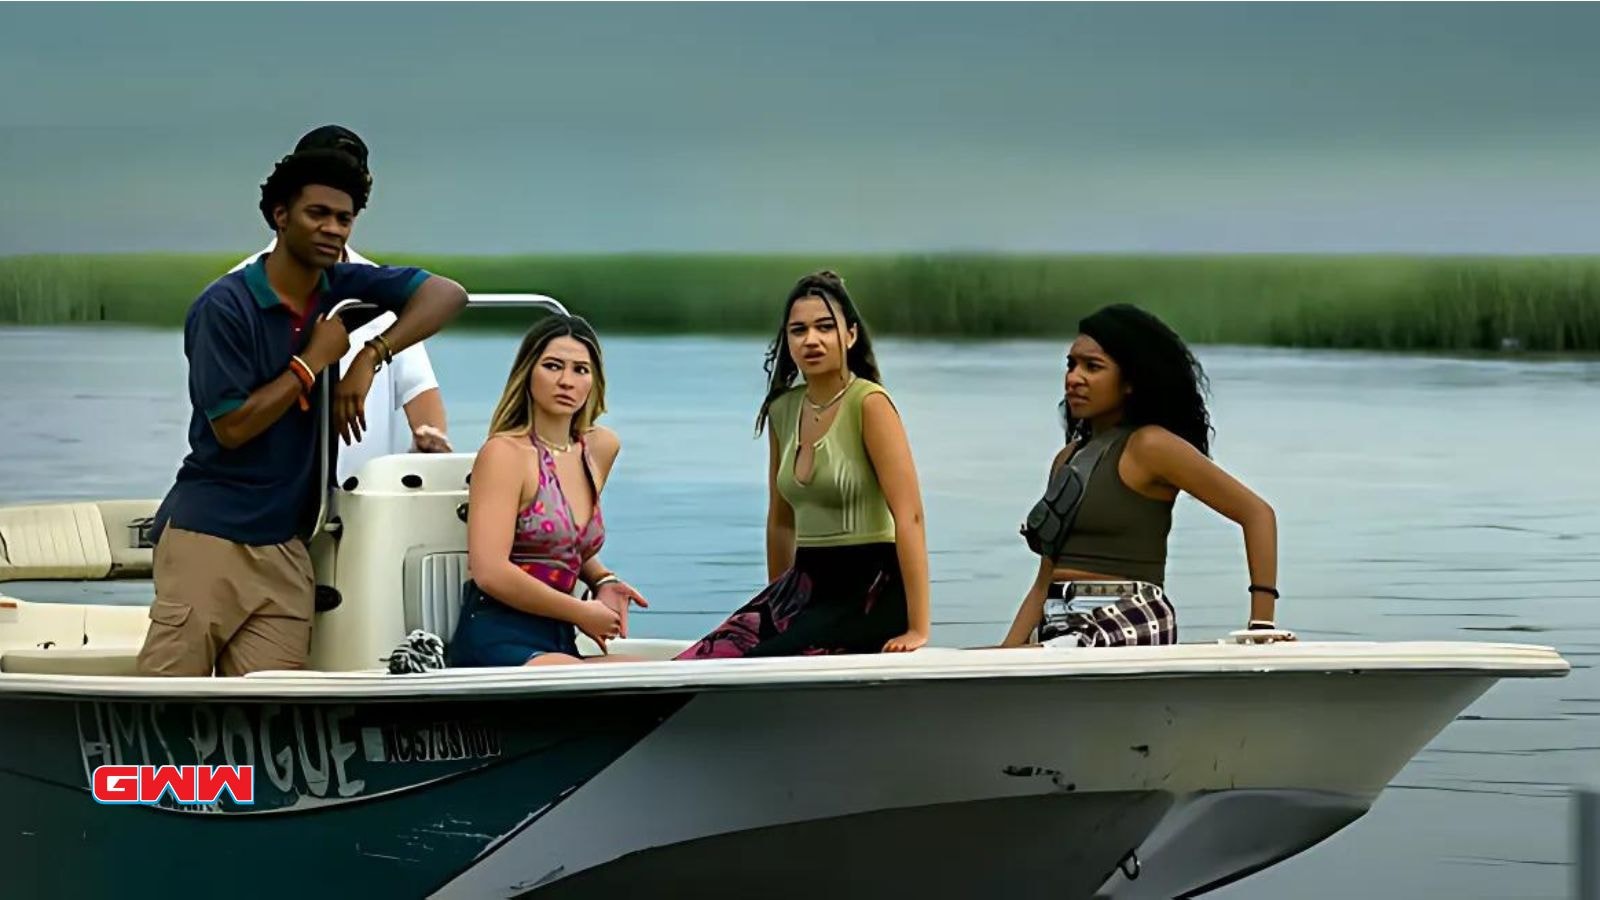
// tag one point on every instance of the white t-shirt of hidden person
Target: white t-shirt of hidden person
(411, 373)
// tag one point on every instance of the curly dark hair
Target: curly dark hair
(330, 168)
(1169, 385)
(780, 366)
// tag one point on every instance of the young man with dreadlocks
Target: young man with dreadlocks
(233, 580)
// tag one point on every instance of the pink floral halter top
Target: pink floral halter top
(548, 544)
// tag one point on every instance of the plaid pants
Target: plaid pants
(1139, 615)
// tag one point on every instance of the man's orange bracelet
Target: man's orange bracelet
(307, 380)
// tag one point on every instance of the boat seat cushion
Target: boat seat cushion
(75, 541)
(433, 594)
(71, 661)
(55, 541)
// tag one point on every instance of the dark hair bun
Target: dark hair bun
(825, 281)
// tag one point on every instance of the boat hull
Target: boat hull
(1012, 786)
(374, 800)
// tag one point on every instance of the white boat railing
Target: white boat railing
(324, 431)
(479, 301)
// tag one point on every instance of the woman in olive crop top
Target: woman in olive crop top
(1135, 395)
(847, 556)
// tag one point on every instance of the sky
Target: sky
(551, 128)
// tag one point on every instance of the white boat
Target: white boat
(1129, 772)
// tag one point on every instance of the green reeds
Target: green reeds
(1547, 304)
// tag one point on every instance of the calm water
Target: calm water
(1417, 499)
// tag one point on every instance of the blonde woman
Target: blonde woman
(534, 527)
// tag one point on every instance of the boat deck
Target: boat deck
(929, 664)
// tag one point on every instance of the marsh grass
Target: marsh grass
(1541, 304)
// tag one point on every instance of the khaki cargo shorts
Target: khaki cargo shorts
(227, 608)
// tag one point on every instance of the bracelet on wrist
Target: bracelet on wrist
(377, 352)
(308, 380)
(302, 371)
(380, 346)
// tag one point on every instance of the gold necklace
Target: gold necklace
(817, 409)
(554, 447)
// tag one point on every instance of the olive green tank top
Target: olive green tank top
(1118, 531)
(841, 504)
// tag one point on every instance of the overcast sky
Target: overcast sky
(610, 127)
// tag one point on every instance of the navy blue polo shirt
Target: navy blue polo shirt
(238, 337)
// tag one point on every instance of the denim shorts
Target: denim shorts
(491, 633)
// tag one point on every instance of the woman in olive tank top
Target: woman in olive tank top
(1135, 404)
(847, 555)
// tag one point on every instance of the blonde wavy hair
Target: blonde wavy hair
(514, 413)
